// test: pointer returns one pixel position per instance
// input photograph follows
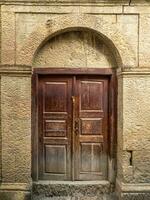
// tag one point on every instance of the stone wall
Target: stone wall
(64, 33)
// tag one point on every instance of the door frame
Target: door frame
(112, 112)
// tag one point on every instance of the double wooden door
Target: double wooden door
(73, 127)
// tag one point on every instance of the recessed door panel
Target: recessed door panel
(91, 98)
(55, 159)
(90, 160)
(55, 128)
(55, 96)
(91, 126)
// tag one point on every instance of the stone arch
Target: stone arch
(75, 49)
(109, 33)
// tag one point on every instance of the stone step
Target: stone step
(104, 197)
(67, 190)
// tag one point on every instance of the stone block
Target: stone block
(14, 195)
(51, 9)
(141, 161)
(16, 128)
(144, 40)
(135, 196)
(127, 167)
(128, 26)
(137, 9)
(133, 168)
(136, 112)
(7, 38)
(140, 2)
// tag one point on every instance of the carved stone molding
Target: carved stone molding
(16, 69)
(76, 2)
(97, 2)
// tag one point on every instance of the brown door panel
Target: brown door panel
(55, 128)
(91, 142)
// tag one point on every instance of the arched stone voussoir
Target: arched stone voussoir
(109, 33)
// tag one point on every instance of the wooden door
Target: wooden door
(54, 100)
(73, 127)
(91, 128)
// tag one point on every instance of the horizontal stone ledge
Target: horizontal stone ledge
(133, 187)
(78, 2)
(104, 2)
(15, 69)
(15, 186)
(133, 71)
(67, 9)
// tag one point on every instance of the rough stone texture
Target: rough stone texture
(137, 9)
(141, 161)
(101, 197)
(5, 195)
(136, 129)
(16, 128)
(27, 23)
(62, 9)
(144, 40)
(75, 49)
(8, 38)
(128, 26)
(135, 196)
(72, 191)
(136, 113)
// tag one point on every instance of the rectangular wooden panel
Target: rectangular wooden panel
(55, 96)
(55, 159)
(91, 94)
(86, 153)
(55, 128)
(90, 157)
(93, 138)
(91, 126)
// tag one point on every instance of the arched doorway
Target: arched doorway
(75, 111)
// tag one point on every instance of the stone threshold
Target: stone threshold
(70, 188)
(72, 182)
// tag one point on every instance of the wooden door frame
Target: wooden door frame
(112, 132)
